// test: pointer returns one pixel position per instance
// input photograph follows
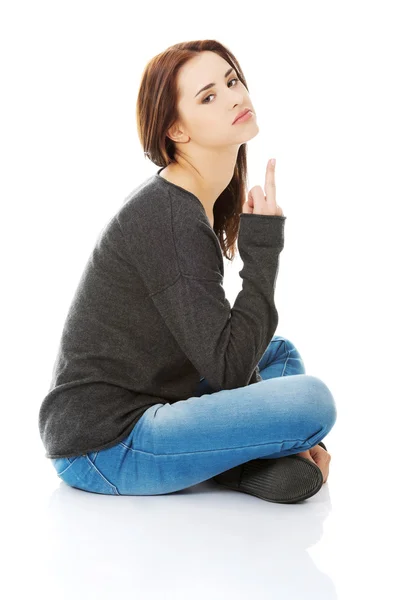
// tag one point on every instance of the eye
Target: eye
(204, 101)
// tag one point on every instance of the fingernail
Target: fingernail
(273, 162)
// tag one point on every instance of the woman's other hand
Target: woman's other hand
(320, 457)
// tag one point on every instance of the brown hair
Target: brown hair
(156, 111)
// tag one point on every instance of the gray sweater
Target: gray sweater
(149, 318)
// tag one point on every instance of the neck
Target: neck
(206, 177)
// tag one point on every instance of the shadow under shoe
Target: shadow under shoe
(287, 480)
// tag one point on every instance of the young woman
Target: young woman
(159, 383)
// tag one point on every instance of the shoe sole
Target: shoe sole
(285, 480)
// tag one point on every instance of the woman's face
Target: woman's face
(206, 116)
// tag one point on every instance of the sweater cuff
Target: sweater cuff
(262, 230)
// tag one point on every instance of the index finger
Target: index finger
(269, 184)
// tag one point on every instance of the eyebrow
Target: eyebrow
(210, 85)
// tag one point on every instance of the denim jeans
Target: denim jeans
(178, 445)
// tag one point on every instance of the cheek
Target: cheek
(213, 126)
(213, 133)
(205, 128)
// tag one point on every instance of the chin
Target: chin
(251, 133)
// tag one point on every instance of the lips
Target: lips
(241, 114)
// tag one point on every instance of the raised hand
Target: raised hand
(260, 204)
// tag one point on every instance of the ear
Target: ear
(175, 133)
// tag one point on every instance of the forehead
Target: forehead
(205, 68)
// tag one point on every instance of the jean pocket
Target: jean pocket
(62, 464)
(81, 472)
(95, 478)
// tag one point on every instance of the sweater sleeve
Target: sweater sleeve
(182, 270)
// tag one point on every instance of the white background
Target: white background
(324, 80)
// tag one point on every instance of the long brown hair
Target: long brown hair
(156, 111)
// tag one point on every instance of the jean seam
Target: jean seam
(205, 451)
(287, 358)
(66, 469)
(125, 446)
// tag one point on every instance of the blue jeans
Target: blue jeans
(178, 445)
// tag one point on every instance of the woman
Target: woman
(159, 383)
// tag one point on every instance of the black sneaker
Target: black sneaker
(287, 480)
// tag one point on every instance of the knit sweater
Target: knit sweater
(149, 318)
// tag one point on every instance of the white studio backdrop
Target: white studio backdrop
(323, 78)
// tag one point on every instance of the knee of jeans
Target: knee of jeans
(289, 345)
(322, 402)
(293, 353)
